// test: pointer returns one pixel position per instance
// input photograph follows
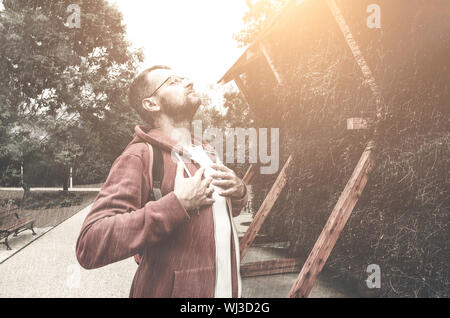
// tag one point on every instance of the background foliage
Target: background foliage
(63, 91)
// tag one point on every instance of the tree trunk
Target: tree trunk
(26, 194)
(66, 185)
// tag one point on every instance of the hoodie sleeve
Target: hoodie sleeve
(118, 225)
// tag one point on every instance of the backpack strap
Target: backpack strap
(157, 172)
(157, 169)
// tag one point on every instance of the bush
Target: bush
(49, 200)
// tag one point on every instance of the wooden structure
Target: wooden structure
(334, 226)
(271, 267)
(355, 186)
(352, 191)
(264, 210)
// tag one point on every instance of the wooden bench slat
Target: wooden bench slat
(13, 226)
(6, 215)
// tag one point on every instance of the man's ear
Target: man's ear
(150, 105)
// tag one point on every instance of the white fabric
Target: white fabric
(223, 230)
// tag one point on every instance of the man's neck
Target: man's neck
(178, 131)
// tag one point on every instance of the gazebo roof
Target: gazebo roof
(253, 49)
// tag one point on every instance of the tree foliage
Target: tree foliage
(257, 18)
(63, 90)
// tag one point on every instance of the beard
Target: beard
(184, 112)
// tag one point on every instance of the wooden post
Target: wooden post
(359, 58)
(250, 174)
(264, 210)
(237, 79)
(271, 267)
(270, 63)
(336, 222)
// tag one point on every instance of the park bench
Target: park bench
(10, 223)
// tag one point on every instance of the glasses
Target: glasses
(172, 80)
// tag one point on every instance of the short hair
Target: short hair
(139, 90)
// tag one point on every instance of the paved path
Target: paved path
(278, 286)
(19, 242)
(48, 268)
(53, 189)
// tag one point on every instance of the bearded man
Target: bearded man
(185, 237)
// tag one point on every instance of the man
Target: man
(186, 240)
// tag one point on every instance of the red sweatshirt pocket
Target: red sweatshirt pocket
(194, 283)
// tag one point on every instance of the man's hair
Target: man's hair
(139, 89)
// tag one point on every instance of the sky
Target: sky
(194, 37)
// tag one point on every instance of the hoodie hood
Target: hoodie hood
(157, 138)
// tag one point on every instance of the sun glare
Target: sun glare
(194, 37)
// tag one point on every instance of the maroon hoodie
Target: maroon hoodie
(177, 247)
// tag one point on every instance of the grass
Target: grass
(97, 185)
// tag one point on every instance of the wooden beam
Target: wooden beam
(237, 79)
(250, 174)
(241, 65)
(265, 239)
(333, 228)
(271, 267)
(264, 209)
(270, 63)
(352, 191)
(359, 58)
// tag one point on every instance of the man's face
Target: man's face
(176, 97)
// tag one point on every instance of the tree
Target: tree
(258, 17)
(63, 90)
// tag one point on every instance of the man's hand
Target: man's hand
(193, 192)
(226, 179)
